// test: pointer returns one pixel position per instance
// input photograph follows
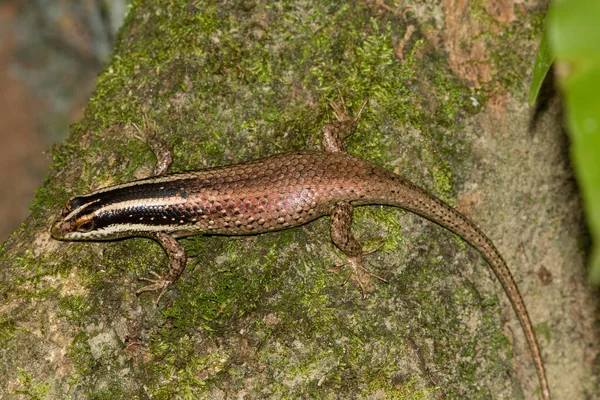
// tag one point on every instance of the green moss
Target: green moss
(32, 389)
(508, 52)
(80, 355)
(543, 330)
(8, 329)
(74, 307)
(407, 391)
(186, 382)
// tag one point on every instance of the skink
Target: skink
(271, 194)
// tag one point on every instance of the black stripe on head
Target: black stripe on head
(82, 205)
(139, 190)
(74, 204)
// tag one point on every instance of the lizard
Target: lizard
(269, 194)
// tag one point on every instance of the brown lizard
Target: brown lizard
(270, 194)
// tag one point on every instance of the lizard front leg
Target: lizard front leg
(177, 261)
(175, 252)
(161, 150)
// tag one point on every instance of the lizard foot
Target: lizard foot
(340, 111)
(160, 148)
(157, 284)
(359, 273)
(334, 133)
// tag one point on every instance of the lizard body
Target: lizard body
(270, 194)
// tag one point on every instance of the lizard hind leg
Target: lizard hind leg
(334, 133)
(342, 237)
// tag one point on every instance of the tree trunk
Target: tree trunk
(264, 316)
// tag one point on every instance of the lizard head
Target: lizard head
(78, 221)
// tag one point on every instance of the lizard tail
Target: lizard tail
(414, 199)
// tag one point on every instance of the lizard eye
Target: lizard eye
(86, 226)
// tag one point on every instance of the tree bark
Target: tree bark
(263, 316)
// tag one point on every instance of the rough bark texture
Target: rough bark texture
(262, 316)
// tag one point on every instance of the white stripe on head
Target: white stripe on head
(146, 202)
(78, 209)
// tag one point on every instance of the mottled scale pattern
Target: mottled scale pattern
(257, 196)
(266, 194)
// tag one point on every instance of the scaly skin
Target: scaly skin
(270, 194)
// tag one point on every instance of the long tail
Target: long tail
(418, 201)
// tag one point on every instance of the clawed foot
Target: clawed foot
(157, 284)
(341, 112)
(335, 133)
(358, 272)
(162, 151)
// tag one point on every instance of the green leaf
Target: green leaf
(543, 61)
(574, 35)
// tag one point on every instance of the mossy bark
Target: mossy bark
(263, 316)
